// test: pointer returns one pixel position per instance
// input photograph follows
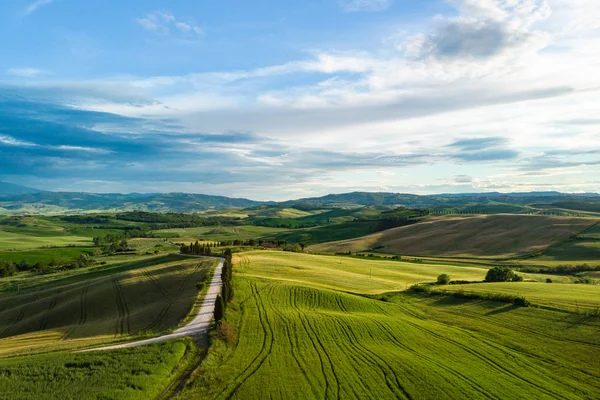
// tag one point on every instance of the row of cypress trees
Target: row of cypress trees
(198, 249)
(227, 289)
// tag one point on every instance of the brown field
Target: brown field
(489, 236)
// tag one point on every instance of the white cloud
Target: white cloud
(365, 5)
(402, 105)
(81, 148)
(11, 141)
(35, 5)
(166, 24)
(25, 72)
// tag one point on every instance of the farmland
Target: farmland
(125, 300)
(562, 296)
(493, 236)
(303, 325)
(220, 233)
(131, 374)
(297, 340)
(347, 274)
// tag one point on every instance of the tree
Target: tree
(443, 279)
(502, 274)
(219, 309)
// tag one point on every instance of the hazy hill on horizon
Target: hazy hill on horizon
(17, 199)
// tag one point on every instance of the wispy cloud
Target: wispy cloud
(33, 7)
(365, 5)
(25, 72)
(165, 23)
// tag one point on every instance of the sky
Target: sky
(275, 100)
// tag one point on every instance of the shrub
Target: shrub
(200, 285)
(548, 280)
(443, 279)
(521, 302)
(225, 332)
(517, 278)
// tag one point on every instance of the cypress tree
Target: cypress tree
(219, 308)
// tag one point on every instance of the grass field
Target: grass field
(220, 233)
(59, 254)
(339, 231)
(140, 297)
(299, 341)
(344, 273)
(488, 236)
(139, 373)
(17, 241)
(569, 297)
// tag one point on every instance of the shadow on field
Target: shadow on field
(119, 301)
(502, 310)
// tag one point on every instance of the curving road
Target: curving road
(197, 327)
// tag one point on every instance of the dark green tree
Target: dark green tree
(501, 274)
(219, 309)
(443, 279)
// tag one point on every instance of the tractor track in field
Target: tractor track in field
(168, 298)
(83, 304)
(495, 365)
(312, 335)
(123, 321)
(196, 328)
(156, 322)
(390, 376)
(66, 334)
(262, 355)
(51, 307)
(285, 321)
(389, 333)
(161, 289)
(20, 316)
(4, 305)
(507, 324)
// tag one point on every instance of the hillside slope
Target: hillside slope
(494, 236)
(10, 189)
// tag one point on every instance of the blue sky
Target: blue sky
(278, 100)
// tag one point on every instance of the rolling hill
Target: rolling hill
(10, 189)
(15, 199)
(490, 236)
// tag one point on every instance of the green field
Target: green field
(16, 241)
(297, 340)
(304, 325)
(133, 374)
(117, 302)
(347, 274)
(220, 233)
(569, 297)
(58, 254)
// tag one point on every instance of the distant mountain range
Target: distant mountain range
(16, 199)
(10, 189)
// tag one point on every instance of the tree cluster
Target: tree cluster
(8, 268)
(175, 220)
(562, 269)
(111, 244)
(502, 274)
(198, 249)
(249, 242)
